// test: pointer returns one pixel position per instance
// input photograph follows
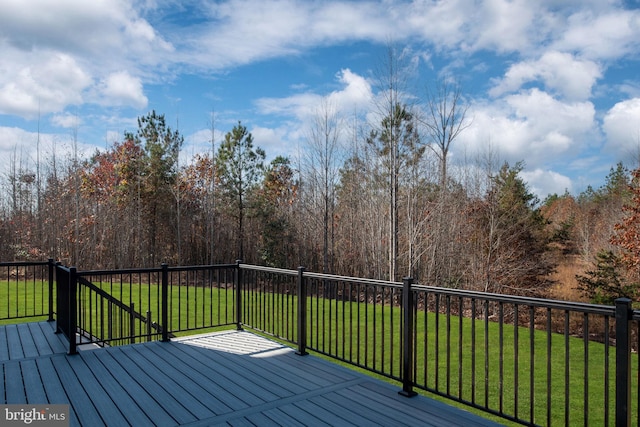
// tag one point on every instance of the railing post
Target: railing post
(110, 320)
(623, 362)
(164, 315)
(51, 267)
(61, 298)
(302, 313)
(238, 286)
(132, 324)
(149, 322)
(407, 338)
(73, 310)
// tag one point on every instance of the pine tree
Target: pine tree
(239, 168)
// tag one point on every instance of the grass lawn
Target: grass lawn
(504, 368)
(23, 301)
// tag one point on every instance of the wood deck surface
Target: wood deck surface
(224, 378)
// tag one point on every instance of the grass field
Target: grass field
(23, 299)
(504, 368)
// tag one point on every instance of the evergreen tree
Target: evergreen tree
(512, 237)
(278, 194)
(239, 166)
(396, 143)
(607, 282)
(159, 173)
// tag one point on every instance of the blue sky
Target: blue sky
(555, 84)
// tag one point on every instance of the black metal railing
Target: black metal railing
(26, 290)
(532, 361)
(66, 304)
(115, 307)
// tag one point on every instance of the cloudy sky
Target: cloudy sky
(553, 83)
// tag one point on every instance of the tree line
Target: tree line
(369, 198)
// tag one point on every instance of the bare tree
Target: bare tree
(323, 155)
(395, 139)
(445, 120)
(212, 191)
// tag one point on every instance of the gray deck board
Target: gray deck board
(158, 403)
(302, 416)
(276, 415)
(226, 378)
(29, 348)
(33, 339)
(33, 387)
(84, 407)
(346, 412)
(56, 393)
(266, 385)
(249, 393)
(119, 394)
(262, 421)
(93, 387)
(189, 409)
(13, 343)
(39, 339)
(2, 381)
(57, 342)
(46, 342)
(209, 397)
(14, 389)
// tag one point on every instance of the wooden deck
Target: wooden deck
(224, 378)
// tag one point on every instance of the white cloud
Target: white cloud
(19, 148)
(53, 53)
(547, 114)
(104, 37)
(621, 125)
(244, 31)
(103, 29)
(545, 182)
(66, 120)
(12, 137)
(561, 72)
(356, 93)
(121, 89)
(48, 84)
(112, 136)
(274, 141)
(501, 25)
(299, 105)
(530, 126)
(605, 34)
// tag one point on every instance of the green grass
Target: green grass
(190, 308)
(369, 336)
(22, 301)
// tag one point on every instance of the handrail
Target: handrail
(267, 269)
(521, 300)
(116, 302)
